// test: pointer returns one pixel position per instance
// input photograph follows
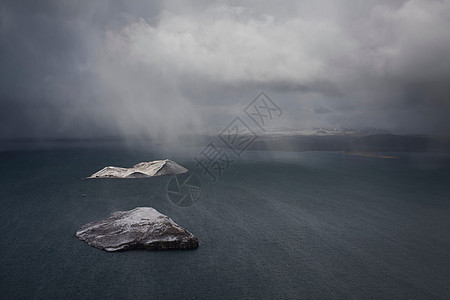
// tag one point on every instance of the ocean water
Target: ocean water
(312, 225)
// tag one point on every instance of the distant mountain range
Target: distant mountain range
(353, 143)
(327, 131)
(365, 140)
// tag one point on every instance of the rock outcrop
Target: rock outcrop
(142, 170)
(140, 228)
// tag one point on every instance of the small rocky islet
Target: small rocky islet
(139, 228)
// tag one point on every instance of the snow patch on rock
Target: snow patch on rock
(142, 170)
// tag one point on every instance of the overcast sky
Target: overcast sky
(160, 68)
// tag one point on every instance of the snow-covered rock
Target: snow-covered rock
(143, 169)
(140, 228)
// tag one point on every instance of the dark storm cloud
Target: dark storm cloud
(322, 110)
(76, 68)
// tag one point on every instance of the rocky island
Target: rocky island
(142, 170)
(140, 228)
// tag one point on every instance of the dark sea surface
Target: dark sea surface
(311, 225)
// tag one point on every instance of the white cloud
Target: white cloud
(231, 44)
